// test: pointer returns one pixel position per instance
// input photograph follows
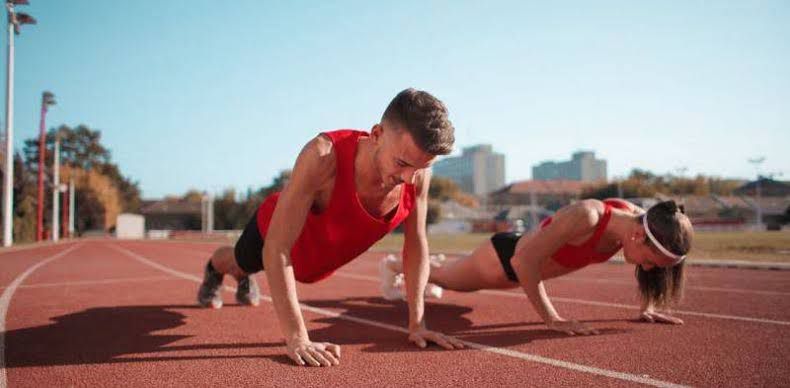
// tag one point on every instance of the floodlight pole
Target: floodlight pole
(8, 174)
(14, 21)
(71, 207)
(46, 100)
(56, 190)
(757, 162)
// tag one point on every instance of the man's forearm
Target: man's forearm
(416, 269)
(282, 286)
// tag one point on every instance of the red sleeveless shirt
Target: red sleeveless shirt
(578, 256)
(344, 230)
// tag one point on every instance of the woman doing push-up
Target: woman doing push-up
(590, 231)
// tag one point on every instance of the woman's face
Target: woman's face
(639, 252)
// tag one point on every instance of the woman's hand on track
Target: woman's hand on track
(571, 327)
(653, 316)
(422, 336)
(305, 352)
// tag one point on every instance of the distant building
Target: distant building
(583, 166)
(768, 188)
(524, 204)
(551, 194)
(479, 170)
(171, 214)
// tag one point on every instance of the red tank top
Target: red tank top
(578, 256)
(344, 230)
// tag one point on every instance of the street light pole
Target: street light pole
(681, 171)
(63, 194)
(15, 19)
(210, 209)
(207, 213)
(757, 162)
(56, 190)
(47, 99)
(71, 207)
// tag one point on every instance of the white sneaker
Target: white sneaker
(437, 260)
(391, 283)
(432, 291)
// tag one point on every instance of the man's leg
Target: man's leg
(210, 291)
(224, 262)
(241, 262)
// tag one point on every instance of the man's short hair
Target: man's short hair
(425, 117)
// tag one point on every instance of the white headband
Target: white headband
(666, 252)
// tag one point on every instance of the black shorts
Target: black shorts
(248, 250)
(505, 246)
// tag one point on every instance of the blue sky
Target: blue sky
(209, 95)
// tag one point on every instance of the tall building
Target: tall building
(583, 166)
(479, 170)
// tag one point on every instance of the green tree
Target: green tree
(443, 189)
(24, 215)
(643, 183)
(193, 196)
(229, 213)
(81, 148)
(277, 184)
(434, 212)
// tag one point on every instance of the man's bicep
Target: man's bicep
(288, 219)
(414, 225)
(298, 196)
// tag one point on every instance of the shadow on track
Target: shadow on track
(446, 318)
(107, 334)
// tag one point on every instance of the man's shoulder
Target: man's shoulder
(322, 145)
(340, 135)
(317, 159)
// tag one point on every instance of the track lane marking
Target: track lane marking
(93, 282)
(5, 301)
(514, 294)
(491, 349)
(590, 302)
(572, 278)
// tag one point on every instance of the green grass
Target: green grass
(749, 246)
(752, 246)
(437, 242)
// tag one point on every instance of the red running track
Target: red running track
(109, 313)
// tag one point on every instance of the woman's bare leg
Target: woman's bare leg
(479, 270)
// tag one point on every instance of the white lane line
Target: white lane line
(22, 248)
(92, 282)
(5, 301)
(593, 280)
(594, 303)
(505, 352)
(588, 302)
(631, 307)
(698, 288)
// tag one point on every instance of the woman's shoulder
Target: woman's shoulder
(622, 204)
(583, 215)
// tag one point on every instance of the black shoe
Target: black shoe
(247, 292)
(210, 291)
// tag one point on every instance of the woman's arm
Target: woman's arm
(528, 261)
(648, 313)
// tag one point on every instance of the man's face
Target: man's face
(398, 158)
